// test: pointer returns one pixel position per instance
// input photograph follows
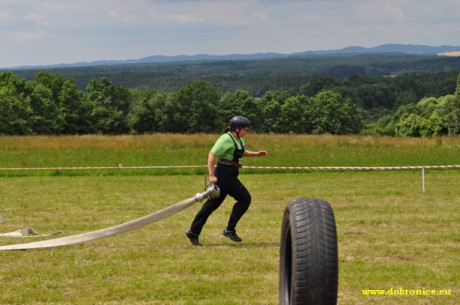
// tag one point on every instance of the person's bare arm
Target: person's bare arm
(260, 153)
(211, 167)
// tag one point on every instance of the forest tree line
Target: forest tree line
(258, 76)
(405, 105)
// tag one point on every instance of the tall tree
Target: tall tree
(197, 108)
(410, 125)
(241, 103)
(108, 106)
(15, 109)
(331, 113)
(46, 118)
(57, 105)
(75, 114)
(271, 104)
(454, 116)
(148, 112)
(457, 89)
(293, 118)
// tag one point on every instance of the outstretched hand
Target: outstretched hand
(262, 153)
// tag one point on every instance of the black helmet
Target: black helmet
(239, 122)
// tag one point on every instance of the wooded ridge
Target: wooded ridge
(391, 94)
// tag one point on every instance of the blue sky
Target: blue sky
(42, 32)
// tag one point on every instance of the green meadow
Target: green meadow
(397, 244)
(175, 149)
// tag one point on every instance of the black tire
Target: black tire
(308, 271)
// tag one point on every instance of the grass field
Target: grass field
(392, 236)
(171, 149)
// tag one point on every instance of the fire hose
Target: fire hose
(211, 192)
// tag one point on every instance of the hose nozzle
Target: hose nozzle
(212, 191)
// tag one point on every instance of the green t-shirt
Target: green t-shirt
(224, 146)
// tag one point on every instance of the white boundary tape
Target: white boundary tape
(353, 167)
(368, 168)
(96, 167)
(360, 168)
(310, 168)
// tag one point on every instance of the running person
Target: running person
(228, 151)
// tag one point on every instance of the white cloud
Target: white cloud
(182, 18)
(260, 16)
(30, 37)
(38, 19)
(5, 16)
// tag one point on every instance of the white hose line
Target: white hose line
(27, 232)
(212, 191)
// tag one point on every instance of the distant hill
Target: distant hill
(391, 48)
(257, 75)
(386, 48)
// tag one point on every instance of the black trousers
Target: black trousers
(229, 184)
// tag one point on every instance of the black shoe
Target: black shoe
(232, 235)
(193, 238)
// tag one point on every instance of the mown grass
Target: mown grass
(391, 234)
